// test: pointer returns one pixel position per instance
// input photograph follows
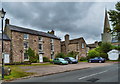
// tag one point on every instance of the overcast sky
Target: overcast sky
(78, 19)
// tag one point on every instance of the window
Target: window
(51, 40)
(26, 45)
(40, 47)
(82, 45)
(40, 38)
(52, 47)
(26, 57)
(26, 36)
(52, 56)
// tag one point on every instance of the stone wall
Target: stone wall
(17, 47)
(33, 42)
(6, 48)
(76, 45)
(57, 46)
(73, 47)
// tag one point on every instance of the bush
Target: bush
(60, 55)
(33, 58)
(45, 59)
(106, 47)
(104, 55)
(83, 58)
(93, 53)
(72, 54)
(51, 60)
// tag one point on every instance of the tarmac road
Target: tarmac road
(108, 73)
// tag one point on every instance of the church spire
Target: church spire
(106, 23)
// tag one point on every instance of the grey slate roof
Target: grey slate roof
(91, 45)
(5, 37)
(30, 31)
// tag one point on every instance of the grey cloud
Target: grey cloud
(61, 16)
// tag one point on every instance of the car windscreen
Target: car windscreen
(71, 58)
(61, 59)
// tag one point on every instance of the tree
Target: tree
(105, 47)
(33, 57)
(93, 53)
(115, 19)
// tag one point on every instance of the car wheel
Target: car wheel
(60, 63)
(100, 61)
(70, 62)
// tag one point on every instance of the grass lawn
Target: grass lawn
(83, 61)
(113, 60)
(17, 72)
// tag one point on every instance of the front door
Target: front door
(40, 58)
(6, 58)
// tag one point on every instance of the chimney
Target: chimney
(96, 43)
(6, 21)
(67, 43)
(52, 32)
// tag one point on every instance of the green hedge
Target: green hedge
(60, 55)
(83, 58)
(46, 59)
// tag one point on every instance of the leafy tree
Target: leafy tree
(93, 53)
(106, 47)
(115, 19)
(33, 58)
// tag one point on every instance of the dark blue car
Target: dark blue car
(97, 59)
(71, 60)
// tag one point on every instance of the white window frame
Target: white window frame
(27, 45)
(27, 36)
(41, 38)
(41, 47)
(83, 45)
(51, 40)
(52, 47)
(27, 57)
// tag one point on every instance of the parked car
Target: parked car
(97, 59)
(71, 60)
(60, 61)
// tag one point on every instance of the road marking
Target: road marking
(92, 75)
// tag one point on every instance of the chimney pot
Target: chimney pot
(6, 21)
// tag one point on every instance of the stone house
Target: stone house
(76, 45)
(6, 44)
(44, 44)
(92, 46)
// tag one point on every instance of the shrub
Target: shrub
(106, 47)
(60, 55)
(72, 54)
(51, 60)
(45, 59)
(83, 58)
(104, 55)
(33, 58)
(93, 53)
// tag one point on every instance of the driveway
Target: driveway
(52, 69)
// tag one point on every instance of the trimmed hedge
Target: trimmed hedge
(46, 59)
(83, 58)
